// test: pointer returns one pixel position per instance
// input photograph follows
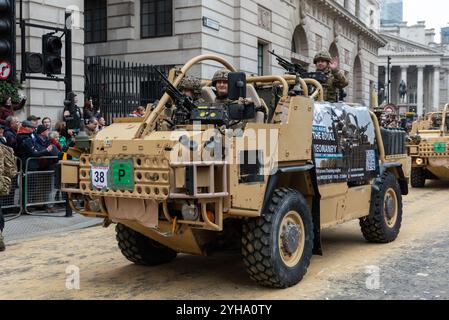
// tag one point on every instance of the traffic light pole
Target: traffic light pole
(67, 32)
(388, 78)
(68, 54)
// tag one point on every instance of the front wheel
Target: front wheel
(277, 247)
(383, 223)
(140, 249)
(418, 177)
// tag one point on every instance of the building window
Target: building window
(156, 18)
(357, 8)
(95, 21)
(261, 49)
(346, 4)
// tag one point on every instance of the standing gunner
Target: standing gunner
(336, 79)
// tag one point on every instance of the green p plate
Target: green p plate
(122, 175)
(439, 147)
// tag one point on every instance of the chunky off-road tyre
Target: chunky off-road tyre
(277, 247)
(383, 223)
(140, 249)
(418, 177)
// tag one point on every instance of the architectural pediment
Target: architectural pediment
(401, 46)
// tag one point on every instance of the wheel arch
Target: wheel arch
(302, 178)
(396, 169)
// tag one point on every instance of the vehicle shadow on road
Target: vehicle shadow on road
(222, 269)
(436, 184)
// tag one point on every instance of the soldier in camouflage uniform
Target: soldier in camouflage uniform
(7, 171)
(336, 79)
(220, 83)
(191, 87)
(2, 220)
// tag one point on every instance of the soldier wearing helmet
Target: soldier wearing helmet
(336, 79)
(220, 83)
(191, 87)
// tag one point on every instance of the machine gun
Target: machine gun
(182, 101)
(297, 69)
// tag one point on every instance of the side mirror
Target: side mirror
(236, 85)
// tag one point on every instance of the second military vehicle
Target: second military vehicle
(429, 148)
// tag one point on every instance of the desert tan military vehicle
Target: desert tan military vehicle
(195, 178)
(429, 148)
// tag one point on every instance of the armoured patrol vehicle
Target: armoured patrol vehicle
(428, 147)
(194, 177)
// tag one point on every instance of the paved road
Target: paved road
(412, 267)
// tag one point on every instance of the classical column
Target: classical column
(447, 86)
(386, 92)
(403, 78)
(420, 91)
(436, 88)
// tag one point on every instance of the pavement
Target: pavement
(39, 225)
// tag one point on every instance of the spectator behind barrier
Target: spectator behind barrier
(72, 113)
(2, 138)
(34, 120)
(54, 140)
(27, 147)
(91, 127)
(101, 123)
(43, 142)
(139, 112)
(65, 136)
(12, 127)
(8, 108)
(47, 123)
(89, 111)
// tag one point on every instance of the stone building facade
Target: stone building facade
(45, 98)
(242, 31)
(420, 62)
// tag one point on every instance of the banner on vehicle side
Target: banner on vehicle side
(343, 143)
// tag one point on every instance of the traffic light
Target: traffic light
(7, 39)
(51, 54)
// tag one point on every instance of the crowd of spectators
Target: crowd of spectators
(36, 137)
(34, 140)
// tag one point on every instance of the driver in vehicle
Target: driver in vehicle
(220, 85)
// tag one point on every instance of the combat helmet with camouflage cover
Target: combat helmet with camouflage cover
(322, 55)
(190, 83)
(220, 75)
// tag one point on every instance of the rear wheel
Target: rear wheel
(277, 247)
(140, 249)
(418, 177)
(383, 223)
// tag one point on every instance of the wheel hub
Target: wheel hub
(390, 207)
(290, 238)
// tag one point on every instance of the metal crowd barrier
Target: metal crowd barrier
(39, 185)
(14, 199)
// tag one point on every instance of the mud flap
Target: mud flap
(144, 212)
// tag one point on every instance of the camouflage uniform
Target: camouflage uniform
(220, 75)
(8, 170)
(194, 84)
(336, 79)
